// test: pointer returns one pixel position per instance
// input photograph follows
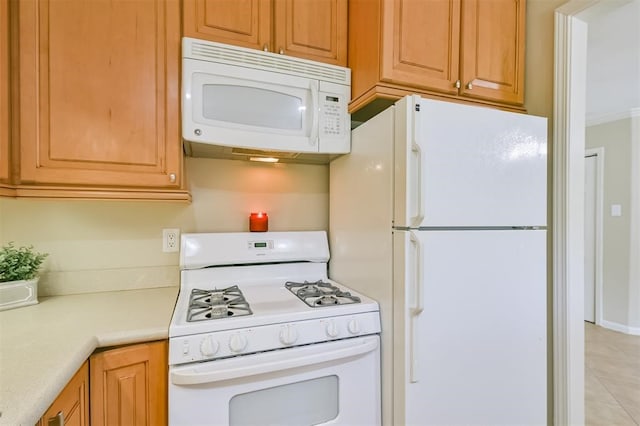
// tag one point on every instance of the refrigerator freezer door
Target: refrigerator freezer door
(460, 165)
(474, 320)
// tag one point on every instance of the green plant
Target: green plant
(20, 263)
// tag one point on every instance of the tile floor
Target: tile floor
(612, 377)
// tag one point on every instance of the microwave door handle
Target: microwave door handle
(249, 366)
(313, 135)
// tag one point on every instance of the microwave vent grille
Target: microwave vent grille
(267, 61)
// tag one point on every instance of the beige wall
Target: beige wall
(621, 240)
(615, 138)
(634, 251)
(105, 245)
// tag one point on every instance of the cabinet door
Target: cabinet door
(99, 93)
(4, 90)
(72, 405)
(312, 29)
(245, 23)
(420, 43)
(493, 35)
(129, 385)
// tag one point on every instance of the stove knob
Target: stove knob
(331, 329)
(237, 343)
(288, 335)
(354, 327)
(208, 346)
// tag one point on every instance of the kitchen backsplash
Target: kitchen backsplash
(117, 245)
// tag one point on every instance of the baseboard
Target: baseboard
(621, 328)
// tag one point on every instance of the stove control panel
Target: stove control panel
(208, 346)
(288, 334)
(223, 344)
(331, 328)
(237, 343)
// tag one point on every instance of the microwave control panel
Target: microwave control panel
(333, 112)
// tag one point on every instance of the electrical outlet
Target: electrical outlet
(170, 240)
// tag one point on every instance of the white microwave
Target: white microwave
(253, 100)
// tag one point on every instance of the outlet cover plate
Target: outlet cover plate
(170, 240)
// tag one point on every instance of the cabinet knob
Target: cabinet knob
(457, 84)
(281, 51)
(172, 177)
(265, 47)
(469, 86)
(57, 420)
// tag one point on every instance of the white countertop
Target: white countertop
(43, 345)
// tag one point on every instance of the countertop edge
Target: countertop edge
(98, 332)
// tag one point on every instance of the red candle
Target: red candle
(258, 222)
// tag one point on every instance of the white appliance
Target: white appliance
(439, 213)
(243, 98)
(260, 335)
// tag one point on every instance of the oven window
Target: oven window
(252, 106)
(309, 402)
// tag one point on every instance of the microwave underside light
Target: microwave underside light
(202, 150)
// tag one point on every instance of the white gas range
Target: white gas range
(260, 335)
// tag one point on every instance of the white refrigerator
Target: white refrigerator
(439, 213)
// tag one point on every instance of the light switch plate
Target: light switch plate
(616, 210)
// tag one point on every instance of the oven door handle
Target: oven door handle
(246, 366)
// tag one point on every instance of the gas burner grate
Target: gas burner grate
(217, 303)
(319, 294)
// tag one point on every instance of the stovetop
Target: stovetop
(247, 293)
(217, 303)
(261, 297)
(318, 294)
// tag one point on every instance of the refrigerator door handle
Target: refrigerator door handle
(416, 309)
(418, 305)
(417, 151)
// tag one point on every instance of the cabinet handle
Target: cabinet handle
(265, 47)
(57, 420)
(469, 86)
(281, 51)
(457, 84)
(172, 177)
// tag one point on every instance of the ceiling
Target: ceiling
(613, 64)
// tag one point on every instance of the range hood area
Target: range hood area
(202, 150)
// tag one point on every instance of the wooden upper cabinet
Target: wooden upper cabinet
(71, 407)
(310, 29)
(129, 385)
(99, 93)
(244, 23)
(421, 44)
(493, 50)
(464, 50)
(5, 126)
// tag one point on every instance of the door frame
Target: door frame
(570, 62)
(599, 255)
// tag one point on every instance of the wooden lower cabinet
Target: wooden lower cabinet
(71, 407)
(128, 385)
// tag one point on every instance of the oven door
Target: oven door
(326, 383)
